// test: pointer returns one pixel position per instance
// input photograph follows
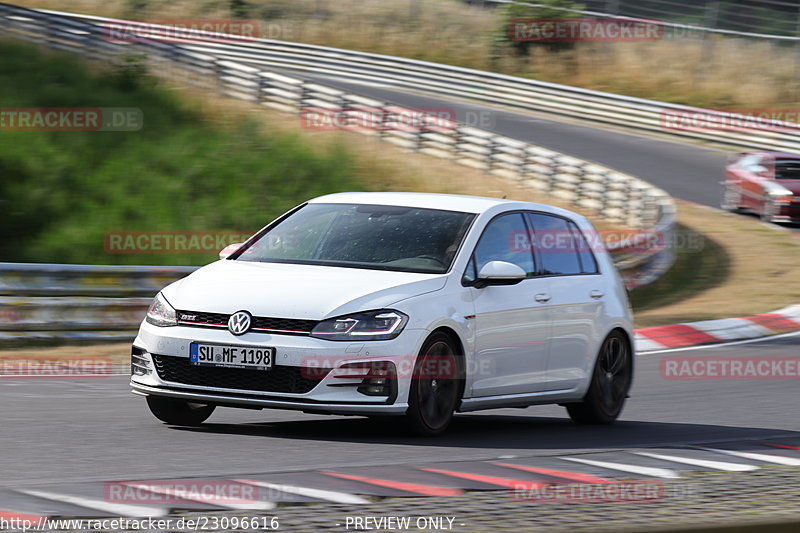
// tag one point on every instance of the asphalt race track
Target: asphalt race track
(63, 437)
(686, 171)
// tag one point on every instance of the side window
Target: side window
(555, 242)
(470, 275)
(506, 239)
(588, 262)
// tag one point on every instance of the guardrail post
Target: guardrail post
(457, 134)
(492, 152)
(304, 91)
(262, 84)
(219, 71)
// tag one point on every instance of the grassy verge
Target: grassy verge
(743, 267)
(63, 192)
(693, 71)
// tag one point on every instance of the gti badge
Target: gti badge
(239, 322)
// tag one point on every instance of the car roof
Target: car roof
(447, 202)
(777, 155)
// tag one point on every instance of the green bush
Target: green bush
(62, 192)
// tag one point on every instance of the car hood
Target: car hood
(294, 291)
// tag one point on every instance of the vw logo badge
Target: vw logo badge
(239, 322)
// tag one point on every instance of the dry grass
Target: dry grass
(717, 72)
(379, 165)
(744, 268)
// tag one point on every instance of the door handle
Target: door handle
(596, 294)
(542, 297)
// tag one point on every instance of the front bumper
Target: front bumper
(788, 213)
(334, 392)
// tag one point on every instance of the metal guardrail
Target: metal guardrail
(635, 114)
(613, 196)
(47, 303)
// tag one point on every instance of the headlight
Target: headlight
(370, 326)
(783, 199)
(161, 313)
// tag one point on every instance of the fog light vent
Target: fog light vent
(381, 380)
(140, 362)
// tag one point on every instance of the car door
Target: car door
(577, 291)
(512, 323)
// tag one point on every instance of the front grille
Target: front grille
(288, 326)
(194, 318)
(290, 379)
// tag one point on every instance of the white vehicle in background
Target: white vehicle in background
(416, 305)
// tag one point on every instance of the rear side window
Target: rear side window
(588, 262)
(555, 241)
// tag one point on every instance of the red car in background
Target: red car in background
(766, 183)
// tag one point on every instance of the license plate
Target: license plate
(231, 356)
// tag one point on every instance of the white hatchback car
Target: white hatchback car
(395, 304)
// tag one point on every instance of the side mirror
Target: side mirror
(228, 250)
(499, 273)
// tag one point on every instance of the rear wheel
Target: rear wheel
(435, 387)
(611, 380)
(178, 412)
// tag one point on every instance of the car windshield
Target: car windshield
(377, 237)
(787, 169)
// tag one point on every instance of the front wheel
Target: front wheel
(768, 211)
(731, 199)
(435, 387)
(177, 412)
(611, 380)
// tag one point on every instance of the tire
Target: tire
(767, 211)
(435, 389)
(611, 381)
(730, 200)
(178, 412)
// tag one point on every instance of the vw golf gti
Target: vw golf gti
(395, 304)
